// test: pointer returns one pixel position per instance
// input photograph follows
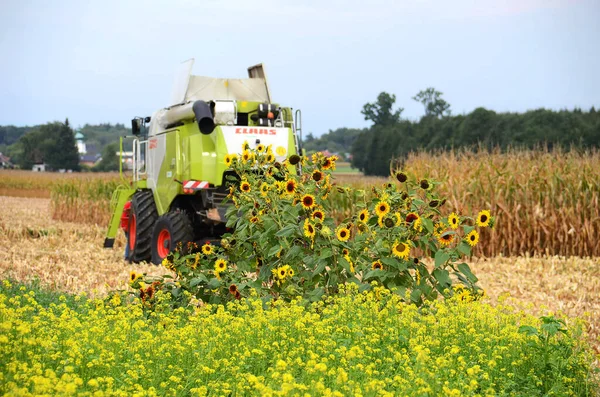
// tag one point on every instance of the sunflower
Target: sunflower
(228, 160)
(382, 209)
(327, 164)
(401, 176)
(260, 148)
(318, 215)
(418, 225)
(377, 265)
(290, 272)
(290, 186)
(281, 273)
(270, 157)
(438, 229)
(398, 218)
(220, 265)
(207, 249)
(472, 238)
(308, 201)
(483, 218)
(425, 185)
(294, 159)
(345, 252)
(264, 189)
(254, 219)
(446, 239)
(233, 289)
(411, 217)
(401, 250)
(245, 187)
(246, 155)
(453, 220)
(343, 234)
(134, 276)
(317, 176)
(363, 216)
(309, 229)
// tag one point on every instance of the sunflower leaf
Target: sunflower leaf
(464, 248)
(274, 250)
(443, 277)
(326, 253)
(466, 270)
(428, 224)
(214, 283)
(441, 258)
(374, 273)
(345, 264)
(286, 231)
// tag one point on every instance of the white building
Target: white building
(81, 148)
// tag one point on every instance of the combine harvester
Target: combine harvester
(179, 174)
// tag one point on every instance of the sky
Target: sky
(109, 61)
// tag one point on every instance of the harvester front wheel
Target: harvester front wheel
(142, 219)
(171, 229)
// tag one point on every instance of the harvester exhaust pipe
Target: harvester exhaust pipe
(204, 117)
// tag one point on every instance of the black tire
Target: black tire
(172, 228)
(141, 221)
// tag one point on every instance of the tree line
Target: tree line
(54, 145)
(391, 138)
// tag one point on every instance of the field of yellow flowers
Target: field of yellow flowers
(71, 324)
(359, 344)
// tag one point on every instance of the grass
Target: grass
(366, 344)
(344, 168)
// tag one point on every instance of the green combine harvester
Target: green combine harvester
(179, 179)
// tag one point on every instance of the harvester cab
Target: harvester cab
(180, 177)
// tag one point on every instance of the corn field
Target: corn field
(545, 202)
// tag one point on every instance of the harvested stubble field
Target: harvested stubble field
(69, 257)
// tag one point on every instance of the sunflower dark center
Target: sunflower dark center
(483, 218)
(472, 237)
(400, 247)
(411, 218)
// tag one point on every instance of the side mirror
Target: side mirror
(136, 126)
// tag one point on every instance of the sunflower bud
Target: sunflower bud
(401, 176)
(434, 203)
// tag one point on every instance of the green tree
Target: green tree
(110, 159)
(433, 102)
(380, 112)
(63, 152)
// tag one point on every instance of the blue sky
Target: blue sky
(107, 61)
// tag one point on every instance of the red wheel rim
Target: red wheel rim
(163, 243)
(132, 230)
